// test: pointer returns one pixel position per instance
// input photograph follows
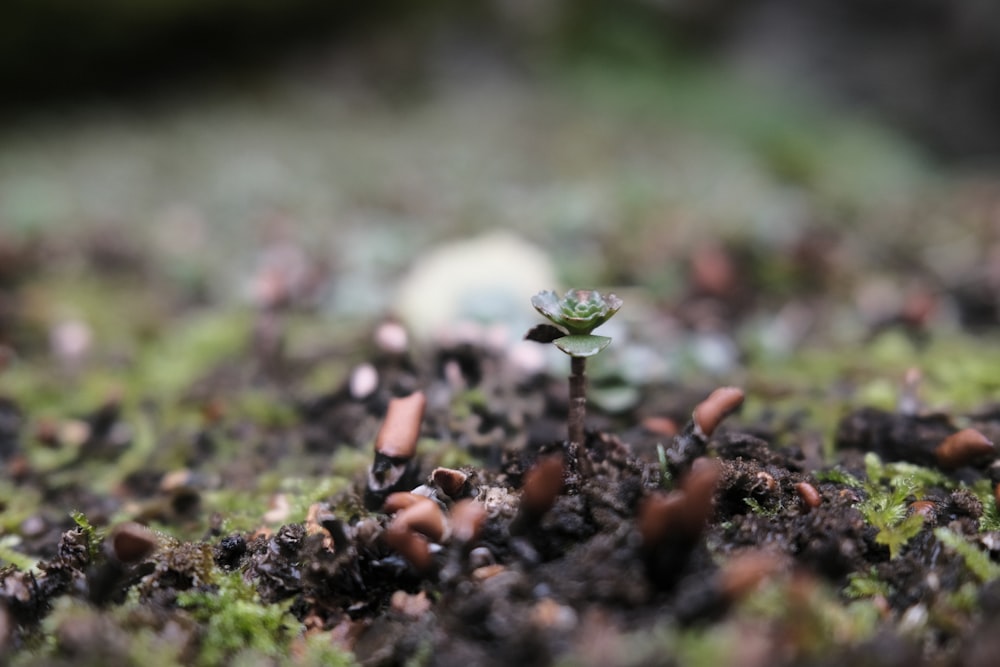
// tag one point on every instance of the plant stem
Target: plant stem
(578, 412)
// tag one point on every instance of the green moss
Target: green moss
(838, 476)
(305, 492)
(263, 409)
(9, 555)
(811, 615)
(234, 621)
(94, 537)
(757, 508)
(866, 585)
(17, 503)
(195, 345)
(990, 520)
(348, 462)
(977, 561)
(965, 599)
(887, 504)
(320, 651)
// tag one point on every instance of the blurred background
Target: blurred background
(756, 174)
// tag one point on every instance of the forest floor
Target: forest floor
(207, 308)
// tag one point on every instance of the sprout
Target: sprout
(573, 319)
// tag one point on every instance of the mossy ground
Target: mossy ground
(217, 421)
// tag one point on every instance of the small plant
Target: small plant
(757, 508)
(886, 507)
(866, 585)
(976, 560)
(574, 317)
(94, 537)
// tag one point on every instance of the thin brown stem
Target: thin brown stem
(578, 413)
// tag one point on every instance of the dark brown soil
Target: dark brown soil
(584, 580)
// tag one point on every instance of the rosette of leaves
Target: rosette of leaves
(573, 318)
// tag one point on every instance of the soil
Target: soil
(773, 555)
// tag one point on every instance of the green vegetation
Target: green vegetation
(866, 585)
(623, 157)
(886, 507)
(976, 560)
(990, 520)
(757, 508)
(234, 621)
(94, 536)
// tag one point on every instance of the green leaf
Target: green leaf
(895, 537)
(544, 333)
(583, 345)
(976, 560)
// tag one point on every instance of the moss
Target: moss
(812, 615)
(977, 561)
(886, 507)
(234, 622)
(263, 409)
(866, 585)
(757, 508)
(320, 651)
(17, 503)
(94, 536)
(990, 520)
(9, 555)
(348, 462)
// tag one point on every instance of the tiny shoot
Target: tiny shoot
(573, 319)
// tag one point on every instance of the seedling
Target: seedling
(886, 507)
(574, 317)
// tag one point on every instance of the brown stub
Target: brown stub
(397, 439)
(467, 520)
(451, 482)
(542, 485)
(411, 530)
(131, 542)
(681, 514)
(809, 495)
(963, 448)
(720, 404)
